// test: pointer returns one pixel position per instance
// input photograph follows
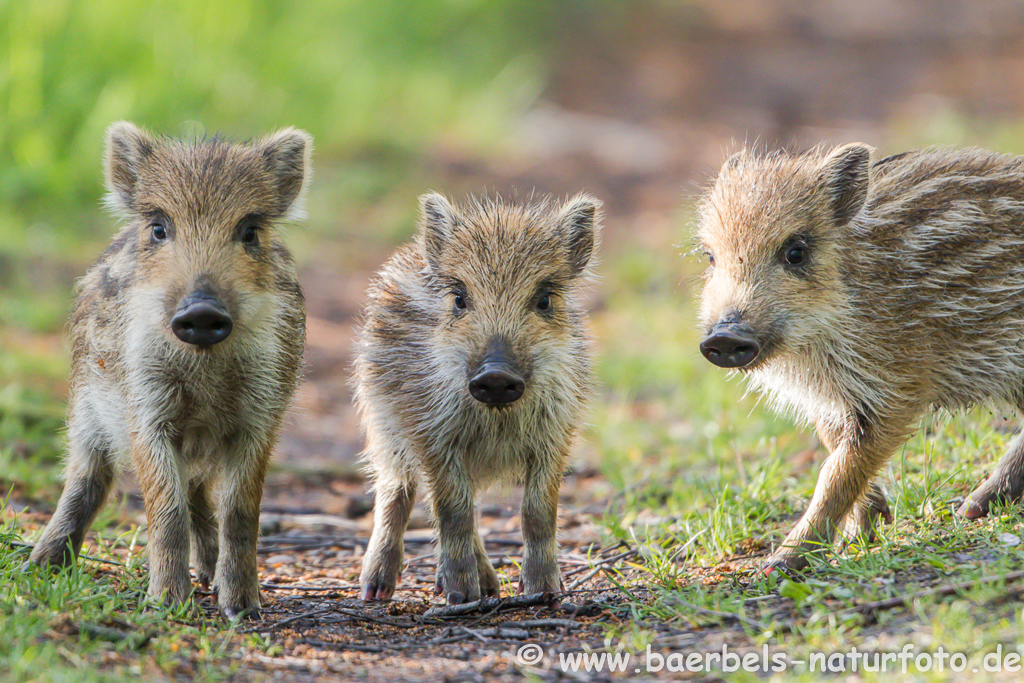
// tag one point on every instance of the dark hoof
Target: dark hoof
(973, 509)
(785, 568)
(979, 502)
(376, 593)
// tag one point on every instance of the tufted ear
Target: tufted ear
(438, 220)
(288, 153)
(579, 220)
(128, 147)
(733, 161)
(845, 177)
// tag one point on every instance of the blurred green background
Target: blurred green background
(365, 78)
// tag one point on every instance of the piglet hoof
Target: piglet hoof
(785, 567)
(374, 592)
(972, 508)
(547, 585)
(458, 588)
(555, 604)
(990, 491)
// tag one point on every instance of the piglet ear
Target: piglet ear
(438, 220)
(579, 220)
(128, 147)
(734, 160)
(288, 153)
(845, 175)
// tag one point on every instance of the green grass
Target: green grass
(94, 623)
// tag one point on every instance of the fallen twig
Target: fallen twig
(136, 640)
(544, 623)
(327, 645)
(502, 632)
(605, 562)
(284, 622)
(306, 588)
(597, 569)
(492, 605)
(355, 614)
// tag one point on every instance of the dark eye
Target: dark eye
(158, 231)
(544, 303)
(460, 302)
(250, 235)
(711, 258)
(796, 254)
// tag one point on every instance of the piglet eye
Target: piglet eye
(710, 257)
(158, 231)
(460, 302)
(544, 303)
(250, 235)
(796, 254)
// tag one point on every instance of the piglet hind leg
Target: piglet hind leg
(385, 555)
(868, 512)
(88, 478)
(1004, 485)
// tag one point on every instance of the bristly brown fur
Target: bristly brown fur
(418, 351)
(193, 421)
(912, 296)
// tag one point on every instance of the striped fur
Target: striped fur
(912, 298)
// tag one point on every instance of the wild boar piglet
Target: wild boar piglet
(859, 294)
(473, 365)
(187, 345)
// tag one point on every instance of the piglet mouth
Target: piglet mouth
(202, 320)
(732, 346)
